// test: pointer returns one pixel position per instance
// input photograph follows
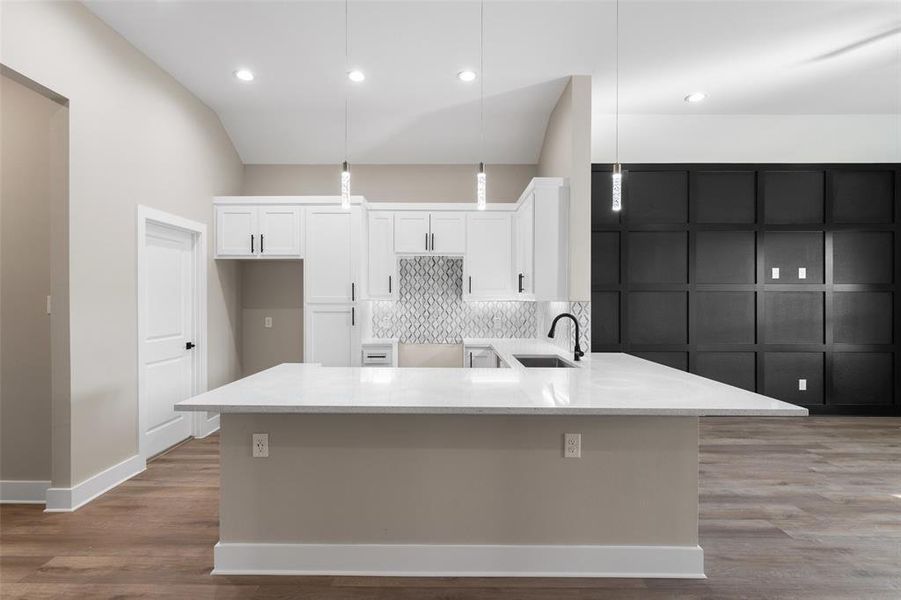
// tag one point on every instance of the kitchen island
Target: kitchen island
(444, 472)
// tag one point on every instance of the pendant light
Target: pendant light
(481, 182)
(345, 172)
(617, 168)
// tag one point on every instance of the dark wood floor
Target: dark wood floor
(790, 508)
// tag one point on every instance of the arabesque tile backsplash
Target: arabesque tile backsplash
(430, 309)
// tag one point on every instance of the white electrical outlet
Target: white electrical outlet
(261, 445)
(572, 445)
(802, 272)
(802, 385)
(775, 272)
(267, 322)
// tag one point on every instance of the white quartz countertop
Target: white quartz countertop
(603, 384)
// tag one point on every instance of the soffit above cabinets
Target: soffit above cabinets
(750, 56)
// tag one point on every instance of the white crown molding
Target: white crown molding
(69, 499)
(437, 560)
(15, 491)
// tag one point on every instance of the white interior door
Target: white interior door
(168, 328)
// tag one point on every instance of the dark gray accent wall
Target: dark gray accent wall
(684, 276)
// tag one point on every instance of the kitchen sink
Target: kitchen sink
(547, 361)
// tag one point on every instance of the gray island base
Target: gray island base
(461, 472)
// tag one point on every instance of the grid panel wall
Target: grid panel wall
(776, 278)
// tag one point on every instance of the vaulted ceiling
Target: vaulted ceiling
(751, 57)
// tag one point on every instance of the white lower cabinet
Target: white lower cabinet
(331, 335)
(488, 263)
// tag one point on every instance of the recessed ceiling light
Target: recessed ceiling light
(244, 75)
(696, 97)
(356, 76)
(466, 76)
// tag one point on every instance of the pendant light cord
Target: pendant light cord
(617, 85)
(346, 68)
(482, 80)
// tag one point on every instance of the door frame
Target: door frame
(201, 423)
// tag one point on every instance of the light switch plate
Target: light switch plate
(775, 273)
(572, 445)
(267, 322)
(802, 272)
(802, 385)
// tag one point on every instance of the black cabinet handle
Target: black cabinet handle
(470, 360)
(190, 346)
(353, 293)
(433, 242)
(251, 243)
(261, 244)
(389, 284)
(426, 241)
(520, 283)
(470, 284)
(353, 316)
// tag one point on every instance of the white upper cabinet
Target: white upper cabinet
(550, 240)
(330, 266)
(488, 264)
(524, 247)
(382, 273)
(259, 231)
(419, 232)
(281, 231)
(411, 232)
(237, 231)
(448, 233)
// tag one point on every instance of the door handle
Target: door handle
(520, 283)
(251, 243)
(261, 244)
(190, 346)
(433, 242)
(389, 284)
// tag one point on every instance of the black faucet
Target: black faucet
(577, 354)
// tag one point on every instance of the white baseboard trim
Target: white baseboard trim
(14, 491)
(206, 425)
(428, 560)
(73, 498)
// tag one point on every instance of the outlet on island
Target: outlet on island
(572, 445)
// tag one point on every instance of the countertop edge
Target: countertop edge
(455, 410)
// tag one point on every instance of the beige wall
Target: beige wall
(27, 139)
(390, 183)
(136, 137)
(566, 152)
(460, 479)
(274, 289)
